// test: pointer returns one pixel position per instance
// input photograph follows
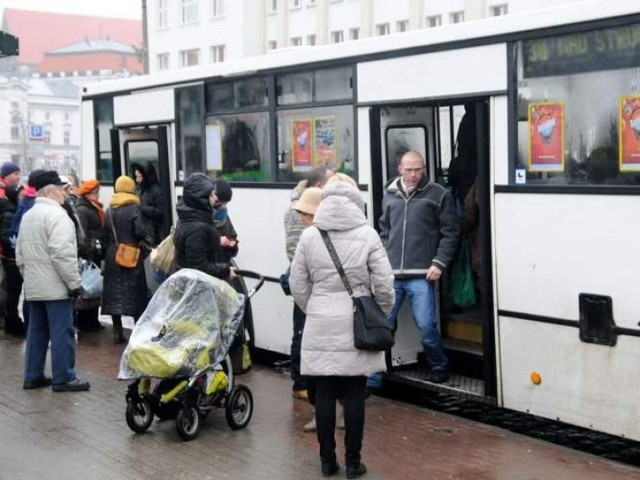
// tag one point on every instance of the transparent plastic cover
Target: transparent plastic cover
(189, 324)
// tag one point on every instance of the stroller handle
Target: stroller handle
(254, 275)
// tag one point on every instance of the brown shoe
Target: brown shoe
(300, 394)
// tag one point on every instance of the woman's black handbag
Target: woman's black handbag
(371, 330)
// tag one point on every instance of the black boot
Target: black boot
(355, 471)
(118, 334)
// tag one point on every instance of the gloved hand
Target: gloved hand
(75, 293)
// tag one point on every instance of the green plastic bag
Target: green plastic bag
(463, 292)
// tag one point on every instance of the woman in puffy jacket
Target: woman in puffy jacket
(328, 351)
(197, 242)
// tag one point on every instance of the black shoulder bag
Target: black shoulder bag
(371, 329)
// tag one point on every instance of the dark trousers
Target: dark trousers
(353, 390)
(13, 322)
(299, 382)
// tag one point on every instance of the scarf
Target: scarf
(121, 199)
(99, 207)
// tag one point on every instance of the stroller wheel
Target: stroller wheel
(188, 422)
(139, 416)
(239, 407)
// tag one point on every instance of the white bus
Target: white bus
(539, 113)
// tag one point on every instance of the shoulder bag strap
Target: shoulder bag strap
(113, 228)
(336, 260)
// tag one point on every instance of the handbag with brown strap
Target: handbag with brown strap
(127, 255)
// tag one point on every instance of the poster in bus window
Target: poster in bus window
(324, 141)
(546, 137)
(302, 148)
(214, 147)
(629, 132)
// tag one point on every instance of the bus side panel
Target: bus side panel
(499, 140)
(258, 216)
(145, 107)
(88, 139)
(588, 385)
(550, 248)
(466, 72)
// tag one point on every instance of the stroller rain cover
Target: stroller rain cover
(189, 323)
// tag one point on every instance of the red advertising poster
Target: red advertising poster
(302, 149)
(629, 131)
(546, 137)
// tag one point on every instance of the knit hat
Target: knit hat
(125, 184)
(223, 190)
(309, 201)
(87, 187)
(41, 178)
(8, 168)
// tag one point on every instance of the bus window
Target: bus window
(312, 137)
(333, 84)
(238, 147)
(103, 112)
(190, 155)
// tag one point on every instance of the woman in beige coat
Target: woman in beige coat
(328, 351)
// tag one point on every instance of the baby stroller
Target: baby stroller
(178, 355)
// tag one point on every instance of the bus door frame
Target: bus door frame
(121, 136)
(484, 178)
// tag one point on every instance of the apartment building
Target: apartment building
(183, 33)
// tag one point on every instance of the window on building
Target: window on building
(189, 11)
(216, 53)
(189, 58)
(354, 33)
(47, 137)
(66, 116)
(218, 8)
(66, 137)
(295, 41)
(273, 5)
(456, 17)
(498, 10)
(15, 106)
(163, 13)
(272, 45)
(311, 2)
(15, 132)
(434, 21)
(402, 26)
(578, 109)
(311, 39)
(162, 60)
(382, 29)
(47, 116)
(337, 36)
(296, 3)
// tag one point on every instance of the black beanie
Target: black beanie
(223, 190)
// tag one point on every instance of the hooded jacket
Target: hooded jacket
(293, 224)
(418, 229)
(197, 243)
(151, 203)
(327, 340)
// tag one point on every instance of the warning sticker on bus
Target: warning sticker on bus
(629, 132)
(546, 137)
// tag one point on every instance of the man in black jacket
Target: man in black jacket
(419, 229)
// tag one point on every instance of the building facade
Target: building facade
(183, 33)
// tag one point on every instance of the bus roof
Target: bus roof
(447, 34)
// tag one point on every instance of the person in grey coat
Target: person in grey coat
(328, 351)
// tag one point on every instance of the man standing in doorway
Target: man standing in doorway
(419, 229)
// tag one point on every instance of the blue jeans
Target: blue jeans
(50, 320)
(423, 309)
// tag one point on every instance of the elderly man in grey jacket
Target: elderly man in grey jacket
(47, 256)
